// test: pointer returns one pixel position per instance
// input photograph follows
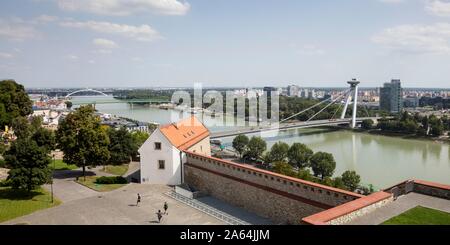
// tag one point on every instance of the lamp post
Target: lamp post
(53, 172)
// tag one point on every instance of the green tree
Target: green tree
(22, 128)
(139, 137)
(279, 152)
(436, 126)
(339, 183)
(82, 139)
(323, 164)
(69, 104)
(29, 164)
(14, 102)
(45, 138)
(284, 168)
(305, 174)
(240, 143)
(256, 147)
(351, 180)
(122, 145)
(367, 124)
(299, 155)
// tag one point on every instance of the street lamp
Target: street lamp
(53, 172)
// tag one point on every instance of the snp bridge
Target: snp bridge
(287, 126)
(348, 96)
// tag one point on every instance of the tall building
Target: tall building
(391, 97)
(293, 91)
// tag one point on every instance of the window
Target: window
(158, 146)
(161, 164)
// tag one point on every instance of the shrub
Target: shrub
(2, 163)
(5, 183)
(111, 180)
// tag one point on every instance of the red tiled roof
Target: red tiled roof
(186, 133)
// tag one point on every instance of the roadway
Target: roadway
(287, 126)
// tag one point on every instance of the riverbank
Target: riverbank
(439, 140)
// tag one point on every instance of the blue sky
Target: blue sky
(120, 43)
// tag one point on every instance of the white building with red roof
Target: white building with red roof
(162, 154)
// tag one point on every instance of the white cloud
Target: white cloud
(17, 30)
(6, 55)
(143, 33)
(126, 7)
(105, 43)
(137, 59)
(438, 7)
(46, 19)
(433, 38)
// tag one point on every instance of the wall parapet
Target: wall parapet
(306, 190)
(348, 211)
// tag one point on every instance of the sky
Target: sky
(172, 43)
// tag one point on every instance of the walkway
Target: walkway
(403, 204)
(118, 208)
(218, 209)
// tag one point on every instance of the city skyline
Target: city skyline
(152, 43)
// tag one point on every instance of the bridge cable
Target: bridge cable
(312, 107)
(331, 103)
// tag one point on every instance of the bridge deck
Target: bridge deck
(287, 126)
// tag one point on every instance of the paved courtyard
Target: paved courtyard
(401, 205)
(83, 206)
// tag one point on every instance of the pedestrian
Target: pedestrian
(166, 206)
(159, 214)
(138, 200)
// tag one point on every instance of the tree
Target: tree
(351, 180)
(45, 138)
(299, 155)
(29, 164)
(367, 124)
(339, 183)
(284, 168)
(436, 126)
(279, 152)
(323, 164)
(14, 102)
(240, 144)
(256, 147)
(122, 146)
(69, 104)
(82, 139)
(22, 128)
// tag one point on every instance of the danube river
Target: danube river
(380, 160)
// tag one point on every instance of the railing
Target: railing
(227, 218)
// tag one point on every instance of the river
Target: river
(380, 160)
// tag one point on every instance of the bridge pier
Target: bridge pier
(353, 94)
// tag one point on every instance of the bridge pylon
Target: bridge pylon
(353, 94)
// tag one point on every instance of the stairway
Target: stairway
(202, 207)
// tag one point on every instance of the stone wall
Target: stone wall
(432, 189)
(280, 198)
(347, 212)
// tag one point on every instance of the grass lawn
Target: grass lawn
(118, 170)
(60, 165)
(14, 203)
(420, 216)
(90, 183)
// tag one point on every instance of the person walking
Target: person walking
(159, 214)
(138, 200)
(166, 206)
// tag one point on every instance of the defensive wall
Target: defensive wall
(345, 213)
(283, 199)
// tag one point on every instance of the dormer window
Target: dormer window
(158, 146)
